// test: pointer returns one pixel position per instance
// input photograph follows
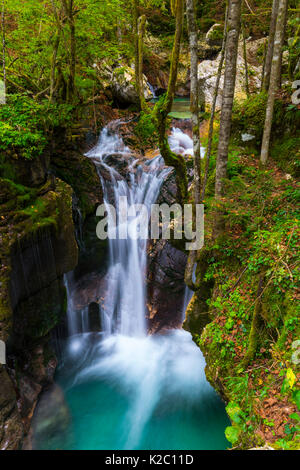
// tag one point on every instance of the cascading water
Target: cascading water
(127, 390)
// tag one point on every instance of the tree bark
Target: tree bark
(275, 71)
(194, 100)
(163, 108)
(213, 107)
(55, 51)
(234, 23)
(268, 61)
(282, 43)
(135, 4)
(194, 96)
(69, 12)
(245, 61)
(141, 33)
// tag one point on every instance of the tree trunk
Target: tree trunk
(141, 33)
(68, 8)
(135, 4)
(245, 61)
(263, 66)
(282, 43)
(234, 23)
(213, 107)
(268, 62)
(275, 71)
(164, 106)
(53, 66)
(194, 98)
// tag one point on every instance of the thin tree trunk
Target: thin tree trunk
(68, 7)
(268, 63)
(53, 66)
(141, 34)
(3, 47)
(57, 16)
(245, 61)
(213, 107)
(234, 23)
(275, 70)
(194, 98)
(282, 43)
(164, 107)
(263, 66)
(135, 4)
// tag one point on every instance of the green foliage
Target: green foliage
(249, 116)
(24, 124)
(146, 130)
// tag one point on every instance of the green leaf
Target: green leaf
(232, 434)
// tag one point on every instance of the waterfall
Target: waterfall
(123, 311)
(140, 391)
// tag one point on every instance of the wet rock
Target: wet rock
(123, 86)
(51, 418)
(29, 172)
(72, 166)
(11, 426)
(36, 251)
(165, 286)
(94, 317)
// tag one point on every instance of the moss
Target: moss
(285, 151)
(87, 187)
(29, 216)
(256, 243)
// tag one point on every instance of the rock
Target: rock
(51, 418)
(29, 172)
(68, 162)
(166, 286)
(214, 36)
(205, 51)
(266, 447)
(38, 247)
(123, 86)
(11, 426)
(247, 137)
(208, 70)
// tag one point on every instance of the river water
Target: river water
(124, 389)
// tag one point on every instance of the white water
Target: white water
(182, 143)
(148, 369)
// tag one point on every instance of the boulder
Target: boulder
(214, 36)
(123, 86)
(51, 418)
(208, 70)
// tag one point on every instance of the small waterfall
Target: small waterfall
(152, 89)
(123, 311)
